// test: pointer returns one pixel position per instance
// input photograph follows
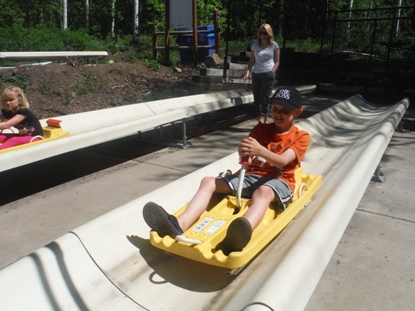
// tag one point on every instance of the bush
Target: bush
(44, 38)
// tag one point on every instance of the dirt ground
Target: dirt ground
(60, 89)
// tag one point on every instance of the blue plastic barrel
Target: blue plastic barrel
(186, 56)
(205, 39)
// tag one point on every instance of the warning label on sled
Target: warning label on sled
(202, 224)
(215, 226)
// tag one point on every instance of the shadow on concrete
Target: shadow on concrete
(42, 175)
(180, 271)
(45, 174)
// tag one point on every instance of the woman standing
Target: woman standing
(265, 59)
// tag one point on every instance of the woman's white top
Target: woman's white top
(264, 58)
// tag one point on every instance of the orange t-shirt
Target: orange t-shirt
(295, 139)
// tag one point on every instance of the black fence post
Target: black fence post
(373, 39)
(323, 33)
(334, 35)
(390, 36)
(225, 61)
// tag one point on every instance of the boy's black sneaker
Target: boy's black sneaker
(160, 221)
(237, 237)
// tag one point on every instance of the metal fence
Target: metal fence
(386, 34)
(383, 34)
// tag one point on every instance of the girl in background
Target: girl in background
(16, 113)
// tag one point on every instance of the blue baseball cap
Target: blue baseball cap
(289, 97)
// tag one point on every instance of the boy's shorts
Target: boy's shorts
(252, 182)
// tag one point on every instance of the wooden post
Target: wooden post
(216, 27)
(167, 33)
(155, 42)
(195, 33)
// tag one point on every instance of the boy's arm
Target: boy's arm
(251, 147)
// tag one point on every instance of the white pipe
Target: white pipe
(240, 186)
(51, 55)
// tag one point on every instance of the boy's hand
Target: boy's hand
(249, 147)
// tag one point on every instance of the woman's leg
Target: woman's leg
(256, 91)
(265, 92)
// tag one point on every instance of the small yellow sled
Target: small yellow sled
(51, 132)
(199, 241)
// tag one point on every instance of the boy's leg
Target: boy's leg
(261, 199)
(200, 201)
(160, 221)
(237, 236)
(164, 224)
(240, 230)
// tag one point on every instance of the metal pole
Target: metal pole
(391, 37)
(225, 62)
(323, 32)
(373, 40)
(334, 35)
(167, 32)
(195, 33)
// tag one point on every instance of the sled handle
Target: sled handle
(182, 238)
(244, 162)
(300, 189)
(37, 136)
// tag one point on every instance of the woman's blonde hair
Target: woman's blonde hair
(268, 29)
(14, 91)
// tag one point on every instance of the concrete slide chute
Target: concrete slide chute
(99, 126)
(110, 263)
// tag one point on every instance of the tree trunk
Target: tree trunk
(65, 14)
(399, 15)
(113, 19)
(136, 20)
(280, 17)
(87, 15)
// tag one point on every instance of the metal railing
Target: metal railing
(386, 34)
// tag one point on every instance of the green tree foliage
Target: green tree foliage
(151, 13)
(10, 14)
(44, 38)
(246, 15)
(29, 13)
(40, 21)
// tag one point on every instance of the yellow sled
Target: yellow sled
(51, 132)
(199, 241)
